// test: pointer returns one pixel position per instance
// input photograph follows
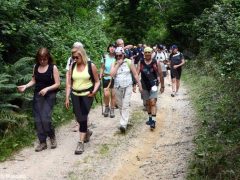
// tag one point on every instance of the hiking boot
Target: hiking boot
(88, 135)
(80, 148)
(112, 115)
(53, 143)
(122, 129)
(152, 125)
(41, 147)
(106, 112)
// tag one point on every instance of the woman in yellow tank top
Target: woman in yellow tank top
(82, 91)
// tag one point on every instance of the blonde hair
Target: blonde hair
(81, 51)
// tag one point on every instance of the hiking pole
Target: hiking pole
(101, 100)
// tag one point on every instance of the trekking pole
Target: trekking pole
(101, 99)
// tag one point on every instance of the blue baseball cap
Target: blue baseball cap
(174, 46)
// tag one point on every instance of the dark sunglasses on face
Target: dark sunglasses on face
(117, 56)
(75, 57)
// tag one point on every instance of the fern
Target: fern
(24, 63)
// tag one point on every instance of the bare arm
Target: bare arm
(22, 88)
(115, 66)
(102, 70)
(135, 74)
(161, 79)
(96, 79)
(68, 86)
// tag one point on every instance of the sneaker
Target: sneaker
(41, 147)
(112, 115)
(149, 121)
(152, 125)
(80, 148)
(122, 129)
(88, 135)
(53, 143)
(172, 95)
(106, 112)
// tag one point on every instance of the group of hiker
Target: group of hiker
(123, 70)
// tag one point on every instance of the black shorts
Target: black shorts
(176, 73)
(164, 73)
(106, 83)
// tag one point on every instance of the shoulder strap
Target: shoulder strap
(73, 65)
(90, 71)
(155, 56)
(104, 58)
(141, 65)
(35, 68)
(165, 55)
(128, 61)
(51, 70)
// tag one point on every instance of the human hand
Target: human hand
(162, 90)
(43, 92)
(91, 94)
(134, 88)
(140, 88)
(22, 88)
(67, 104)
(120, 61)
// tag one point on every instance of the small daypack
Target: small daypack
(89, 63)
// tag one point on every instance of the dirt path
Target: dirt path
(140, 154)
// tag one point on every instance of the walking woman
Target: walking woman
(121, 71)
(46, 80)
(107, 80)
(176, 61)
(82, 85)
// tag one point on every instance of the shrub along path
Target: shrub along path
(139, 154)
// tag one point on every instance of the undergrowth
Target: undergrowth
(216, 100)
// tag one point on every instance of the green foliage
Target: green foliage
(218, 30)
(216, 101)
(52, 24)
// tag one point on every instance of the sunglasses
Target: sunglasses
(75, 57)
(117, 56)
(147, 52)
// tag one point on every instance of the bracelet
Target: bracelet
(26, 86)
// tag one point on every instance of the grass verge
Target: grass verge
(216, 101)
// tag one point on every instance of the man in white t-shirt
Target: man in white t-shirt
(162, 57)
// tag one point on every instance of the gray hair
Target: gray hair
(77, 45)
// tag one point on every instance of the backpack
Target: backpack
(89, 63)
(128, 53)
(155, 56)
(149, 79)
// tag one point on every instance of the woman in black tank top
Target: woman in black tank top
(46, 80)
